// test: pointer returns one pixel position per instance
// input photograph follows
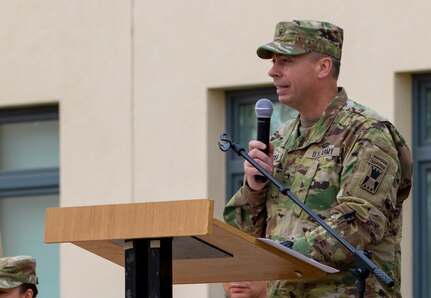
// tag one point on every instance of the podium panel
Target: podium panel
(204, 249)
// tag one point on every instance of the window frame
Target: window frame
(44, 181)
(234, 99)
(421, 204)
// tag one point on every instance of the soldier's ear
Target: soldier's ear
(324, 67)
(28, 293)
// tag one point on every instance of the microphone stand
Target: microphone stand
(363, 258)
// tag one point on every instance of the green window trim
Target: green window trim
(29, 182)
(241, 126)
(421, 187)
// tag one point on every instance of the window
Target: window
(422, 185)
(242, 127)
(29, 183)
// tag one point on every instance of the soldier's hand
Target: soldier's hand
(255, 152)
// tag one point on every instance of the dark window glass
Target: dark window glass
(29, 183)
(242, 127)
(428, 115)
(422, 185)
(248, 125)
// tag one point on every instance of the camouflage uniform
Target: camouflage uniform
(300, 37)
(351, 159)
(14, 271)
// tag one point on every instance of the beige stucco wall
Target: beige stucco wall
(141, 84)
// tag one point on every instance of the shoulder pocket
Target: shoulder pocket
(374, 177)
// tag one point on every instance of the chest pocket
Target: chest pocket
(301, 182)
(315, 179)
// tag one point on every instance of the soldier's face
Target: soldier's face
(246, 289)
(15, 293)
(294, 78)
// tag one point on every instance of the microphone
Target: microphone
(263, 110)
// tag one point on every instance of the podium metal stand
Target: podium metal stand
(171, 242)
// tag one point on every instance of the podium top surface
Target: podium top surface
(205, 250)
(129, 221)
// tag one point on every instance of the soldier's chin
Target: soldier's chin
(287, 100)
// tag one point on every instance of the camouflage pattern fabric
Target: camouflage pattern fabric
(15, 271)
(350, 160)
(300, 37)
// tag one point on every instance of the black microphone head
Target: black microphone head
(264, 108)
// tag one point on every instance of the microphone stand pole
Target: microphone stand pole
(363, 258)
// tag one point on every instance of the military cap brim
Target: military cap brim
(267, 50)
(9, 284)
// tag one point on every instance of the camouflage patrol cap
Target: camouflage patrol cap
(15, 271)
(300, 37)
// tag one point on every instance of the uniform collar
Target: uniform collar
(316, 133)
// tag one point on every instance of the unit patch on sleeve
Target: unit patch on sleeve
(374, 174)
(376, 170)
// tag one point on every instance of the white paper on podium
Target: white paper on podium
(298, 255)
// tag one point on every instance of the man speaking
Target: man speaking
(344, 161)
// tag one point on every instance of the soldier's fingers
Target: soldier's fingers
(257, 154)
(256, 145)
(250, 169)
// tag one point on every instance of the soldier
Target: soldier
(245, 289)
(344, 161)
(18, 277)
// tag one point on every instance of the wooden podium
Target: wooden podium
(175, 242)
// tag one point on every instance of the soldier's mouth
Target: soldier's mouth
(281, 88)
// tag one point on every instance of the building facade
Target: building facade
(142, 93)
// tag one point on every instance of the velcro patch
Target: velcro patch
(374, 177)
(376, 170)
(327, 150)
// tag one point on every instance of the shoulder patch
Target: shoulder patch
(374, 176)
(375, 172)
